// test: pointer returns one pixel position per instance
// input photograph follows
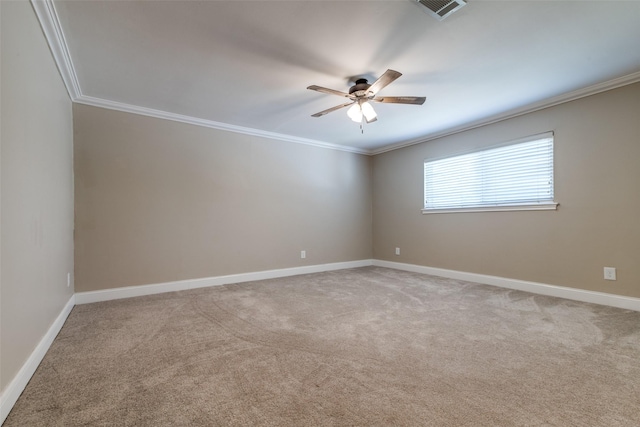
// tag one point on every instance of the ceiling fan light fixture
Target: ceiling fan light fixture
(368, 111)
(361, 93)
(355, 112)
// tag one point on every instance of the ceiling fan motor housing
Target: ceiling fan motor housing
(360, 88)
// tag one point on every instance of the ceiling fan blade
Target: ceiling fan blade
(329, 91)
(388, 77)
(332, 109)
(416, 100)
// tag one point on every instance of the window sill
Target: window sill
(531, 207)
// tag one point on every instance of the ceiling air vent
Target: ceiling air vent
(442, 8)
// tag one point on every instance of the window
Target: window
(516, 176)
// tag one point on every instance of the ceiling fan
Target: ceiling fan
(362, 92)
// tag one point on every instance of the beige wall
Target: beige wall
(37, 189)
(597, 183)
(159, 201)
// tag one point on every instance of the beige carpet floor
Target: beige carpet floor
(360, 347)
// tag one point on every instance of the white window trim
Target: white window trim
(549, 206)
(540, 206)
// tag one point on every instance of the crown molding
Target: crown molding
(48, 17)
(540, 105)
(46, 13)
(557, 100)
(128, 108)
(50, 23)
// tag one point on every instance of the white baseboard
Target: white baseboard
(594, 297)
(15, 388)
(11, 394)
(602, 298)
(181, 285)
(13, 391)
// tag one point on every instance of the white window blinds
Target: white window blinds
(519, 174)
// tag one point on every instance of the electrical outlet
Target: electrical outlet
(68, 280)
(303, 254)
(397, 251)
(609, 273)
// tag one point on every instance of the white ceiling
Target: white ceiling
(245, 65)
